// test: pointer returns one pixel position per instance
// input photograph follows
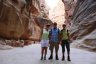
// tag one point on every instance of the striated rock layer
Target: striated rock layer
(20, 19)
(69, 8)
(84, 23)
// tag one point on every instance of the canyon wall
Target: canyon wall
(21, 19)
(69, 8)
(83, 25)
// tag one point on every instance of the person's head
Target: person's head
(55, 25)
(47, 27)
(64, 26)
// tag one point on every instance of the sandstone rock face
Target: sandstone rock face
(19, 19)
(84, 22)
(11, 21)
(69, 8)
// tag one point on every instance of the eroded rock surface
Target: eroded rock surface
(84, 23)
(20, 19)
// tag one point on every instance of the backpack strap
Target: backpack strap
(61, 32)
(68, 34)
(58, 31)
(52, 30)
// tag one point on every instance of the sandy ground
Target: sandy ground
(31, 55)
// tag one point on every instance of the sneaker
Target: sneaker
(51, 57)
(57, 57)
(44, 58)
(41, 58)
(68, 58)
(63, 58)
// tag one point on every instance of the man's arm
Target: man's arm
(59, 35)
(68, 36)
(49, 36)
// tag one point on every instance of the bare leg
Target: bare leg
(42, 52)
(51, 51)
(45, 53)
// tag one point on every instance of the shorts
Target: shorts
(44, 43)
(54, 45)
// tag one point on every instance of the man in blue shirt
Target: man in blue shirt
(54, 41)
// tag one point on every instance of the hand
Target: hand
(39, 40)
(59, 42)
(70, 41)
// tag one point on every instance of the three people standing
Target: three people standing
(55, 37)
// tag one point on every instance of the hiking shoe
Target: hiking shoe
(63, 58)
(57, 57)
(68, 58)
(44, 58)
(51, 57)
(41, 58)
